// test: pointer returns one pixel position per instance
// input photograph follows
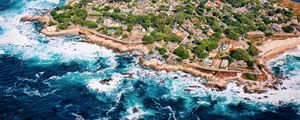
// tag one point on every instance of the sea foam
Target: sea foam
(107, 87)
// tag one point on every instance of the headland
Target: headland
(220, 57)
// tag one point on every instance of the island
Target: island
(220, 40)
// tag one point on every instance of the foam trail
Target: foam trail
(54, 1)
(2, 52)
(107, 87)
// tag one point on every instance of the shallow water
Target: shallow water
(58, 78)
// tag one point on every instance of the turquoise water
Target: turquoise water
(59, 78)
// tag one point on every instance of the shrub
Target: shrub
(173, 38)
(250, 76)
(200, 52)
(124, 36)
(161, 51)
(148, 39)
(181, 52)
(288, 29)
(240, 54)
(51, 23)
(90, 24)
(165, 56)
(253, 51)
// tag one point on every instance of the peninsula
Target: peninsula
(221, 40)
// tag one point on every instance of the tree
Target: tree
(90, 24)
(252, 50)
(200, 52)
(240, 54)
(173, 38)
(161, 51)
(232, 34)
(250, 64)
(81, 13)
(181, 17)
(148, 39)
(167, 29)
(158, 36)
(250, 76)
(76, 20)
(262, 27)
(288, 29)
(63, 26)
(181, 52)
(117, 10)
(209, 44)
(129, 27)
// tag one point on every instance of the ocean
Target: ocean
(296, 0)
(59, 78)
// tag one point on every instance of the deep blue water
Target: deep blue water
(59, 78)
(296, 0)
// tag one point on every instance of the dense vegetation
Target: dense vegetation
(198, 27)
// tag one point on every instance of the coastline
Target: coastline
(216, 79)
(273, 49)
(291, 4)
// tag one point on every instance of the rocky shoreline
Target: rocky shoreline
(216, 79)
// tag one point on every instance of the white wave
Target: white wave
(108, 87)
(37, 75)
(2, 52)
(137, 115)
(233, 93)
(78, 117)
(13, 36)
(33, 92)
(2, 20)
(54, 1)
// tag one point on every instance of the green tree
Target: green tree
(288, 29)
(158, 36)
(173, 38)
(148, 39)
(200, 52)
(232, 34)
(181, 52)
(250, 76)
(252, 50)
(161, 51)
(129, 27)
(117, 10)
(90, 24)
(240, 54)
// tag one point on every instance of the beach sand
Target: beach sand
(273, 49)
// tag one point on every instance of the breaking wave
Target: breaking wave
(65, 78)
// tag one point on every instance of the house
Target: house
(240, 10)
(111, 23)
(255, 33)
(224, 63)
(234, 44)
(225, 47)
(212, 54)
(276, 27)
(238, 64)
(92, 18)
(207, 61)
(298, 28)
(180, 34)
(216, 62)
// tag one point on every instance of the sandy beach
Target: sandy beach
(273, 49)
